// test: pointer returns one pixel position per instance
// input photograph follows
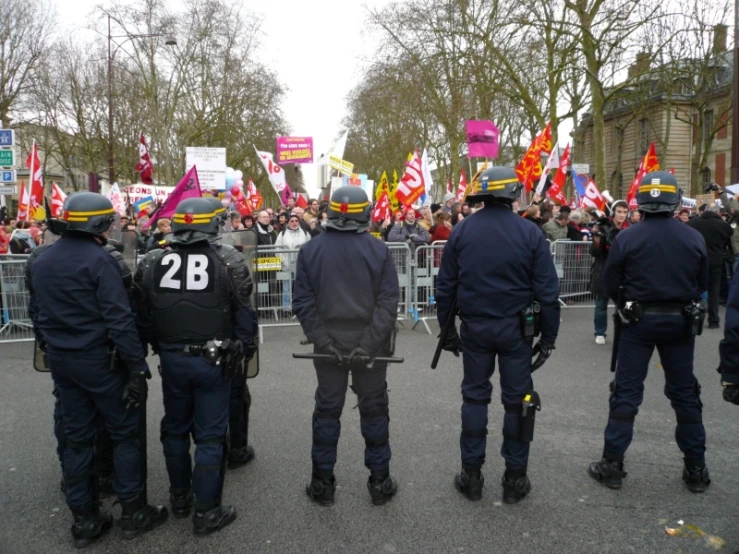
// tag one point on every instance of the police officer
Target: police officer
(104, 446)
(497, 269)
(656, 303)
(82, 308)
(192, 299)
(346, 298)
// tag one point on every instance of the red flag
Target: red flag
(36, 198)
(593, 198)
(254, 196)
(300, 201)
(648, 164)
(556, 190)
(412, 185)
(57, 200)
(145, 167)
(462, 186)
(188, 187)
(529, 168)
(23, 203)
(382, 208)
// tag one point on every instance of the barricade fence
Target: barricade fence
(274, 277)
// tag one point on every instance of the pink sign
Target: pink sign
(482, 138)
(294, 150)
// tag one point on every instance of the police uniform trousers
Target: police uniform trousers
(104, 445)
(484, 340)
(88, 389)
(238, 410)
(675, 347)
(196, 397)
(370, 385)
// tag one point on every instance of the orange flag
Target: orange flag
(648, 164)
(529, 168)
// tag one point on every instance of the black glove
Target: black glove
(544, 351)
(360, 356)
(135, 390)
(331, 349)
(452, 343)
(731, 394)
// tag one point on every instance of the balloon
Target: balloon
(235, 190)
(230, 180)
(229, 171)
(239, 174)
(228, 194)
(240, 196)
(240, 184)
(226, 202)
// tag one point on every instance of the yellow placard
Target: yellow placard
(376, 234)
(268, 264)
(342, 166)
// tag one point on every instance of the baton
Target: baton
(618, 321)
(143, 452)
(312, 356)
(444, 332)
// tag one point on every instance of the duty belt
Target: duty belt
(649, 308)
(193, 349)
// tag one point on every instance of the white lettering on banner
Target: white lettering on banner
(197, 272)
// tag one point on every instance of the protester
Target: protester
(164, 227)
(443, 227)
(426, 220)
(293, 236)
(449, 201)
(409, 231)
(320, 223)
(248, 221)
(684, 215)
(634, 217)
(266, 234)
(312, 213)
(557, 228)
(235, 219)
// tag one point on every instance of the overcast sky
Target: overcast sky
(316, 48)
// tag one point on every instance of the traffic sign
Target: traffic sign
(8, 191)
(581, 169)
(7, 158)
(7, 176)
(7, 137)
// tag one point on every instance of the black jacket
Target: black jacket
(717, 234)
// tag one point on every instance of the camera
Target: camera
(713, 187)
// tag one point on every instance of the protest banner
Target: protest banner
(294, 150)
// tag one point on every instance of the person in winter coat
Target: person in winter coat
(291, 237)
(409, 231)
(266, 235)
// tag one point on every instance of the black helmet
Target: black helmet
(88, 212)
(349, 210)
(196, 219)
(500, 183)
(658, 192)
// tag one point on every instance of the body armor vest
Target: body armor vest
(190, 296)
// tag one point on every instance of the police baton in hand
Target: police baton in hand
(380, 359)
(618, 321)
(444, 333)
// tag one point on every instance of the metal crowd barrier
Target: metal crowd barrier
(15, 323)
(427, 260)
(572, 261)
(275, 276)
(401, 254)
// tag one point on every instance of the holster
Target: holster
(530, 321)
(530, 404)
(695, 316)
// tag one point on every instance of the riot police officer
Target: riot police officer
(81, 309)
(104, 446)
(192, 299)
(346, 298)
(661, 310)
(497, 270)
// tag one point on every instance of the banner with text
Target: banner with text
(294, 150)
(135, 193)
(211, 164)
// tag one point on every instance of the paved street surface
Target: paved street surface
(566, 512)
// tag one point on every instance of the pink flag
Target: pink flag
(482, 139)
(188, 187)
(145, 167)
(285, 194)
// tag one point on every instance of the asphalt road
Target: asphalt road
(566, 512)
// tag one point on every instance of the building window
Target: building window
(644, 136)
(706, 176)
(707, 124)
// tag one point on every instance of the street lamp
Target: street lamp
(169, 40)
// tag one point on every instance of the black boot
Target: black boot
(516, 486)
(181, 501)
(469, 482)
(321, 488)
(89, 524)
(381, 487)
(696, 477)
(211, 520)
(240, 456)
(608, 472)
(139, 517)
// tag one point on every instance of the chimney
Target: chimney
(642, 63)
(720, 33)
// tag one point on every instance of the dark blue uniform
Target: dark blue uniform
(729, 346)
(346, 293)
(495, 264)
(192, 296)
(663, 265)
(80, 308)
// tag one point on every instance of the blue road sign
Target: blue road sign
(7, 137)
(7, 176)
